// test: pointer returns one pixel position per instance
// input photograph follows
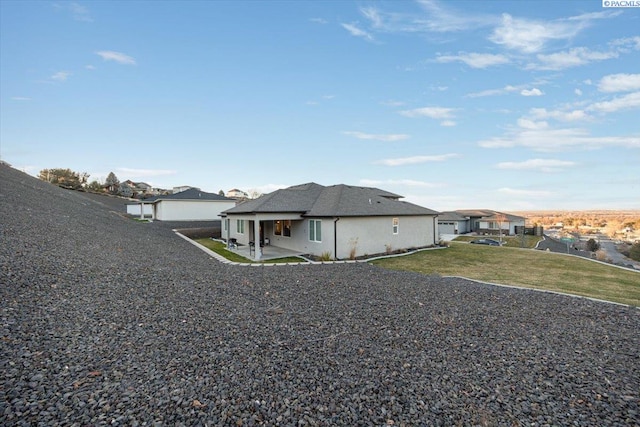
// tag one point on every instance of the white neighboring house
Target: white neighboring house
(340, 220)
(188, 205)
(140, 210)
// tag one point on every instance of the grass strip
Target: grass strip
(526, 268)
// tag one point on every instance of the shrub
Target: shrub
(592, 245)
(634, 252)
(326, 256)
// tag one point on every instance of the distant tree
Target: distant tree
(94, 186)
(221, 193)
(592, 245)
(634, 253)
(254, 193)
(112, 183)
(64, 177)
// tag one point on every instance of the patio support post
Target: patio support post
(142, 211)
(256, 239)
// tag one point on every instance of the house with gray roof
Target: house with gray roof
(482, 221)
(341, 221)
(188, 205)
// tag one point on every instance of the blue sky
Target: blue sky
(506, 105)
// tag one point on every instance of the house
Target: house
(485, 221)
(189, 205)
(452, 223)
(234, 193)
(339, 221)
(182, 188)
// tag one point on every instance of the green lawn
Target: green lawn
(509, 241)
(527, 268)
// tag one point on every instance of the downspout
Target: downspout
(335, 237)
(435, 229)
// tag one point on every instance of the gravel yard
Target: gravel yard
(108, 321)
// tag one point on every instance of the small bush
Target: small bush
(326, 256)
(634, 252)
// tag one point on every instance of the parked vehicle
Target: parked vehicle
(489, 242)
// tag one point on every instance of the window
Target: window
(315, 230)
(396, 223)
(282, 228)
(240, 226)
(226, 224)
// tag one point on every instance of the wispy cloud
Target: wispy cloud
(572, 58)
(619, 83)
(540, 136)
(475, 60)
(430, 112)
(145, 173)
(400, 182)
(560, 115)
(416, 160)
(60, 76)
(542, 165)
(378, 137)
(78, 12)
(119, 57)
(531, 36)
(626, 102)
(357, 32)
(531, 92)
(526, 193)
(319, 21)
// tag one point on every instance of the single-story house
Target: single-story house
(189, 205)
(452, 223)
(485, 221)
(340, 221)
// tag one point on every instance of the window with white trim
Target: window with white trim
(315, 230)
(240, 226)
(396, 224)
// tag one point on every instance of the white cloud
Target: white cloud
(90, 67)
(399, 182)
(526, 193)
(448, 123)
(578, 92)
(543, 165)
(572, 58)
(357, 32)
(119, 57)
(78, 11)
(530, 36)
(475, 60)
(431, 112)
(564, 116)
(629, 101)
(60, 76)
(416, 160)
(144, 173)
(319, 20)
(533, 92)
(378, 137)
(539, 136)
(619, 83)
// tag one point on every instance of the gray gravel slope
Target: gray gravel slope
(106, 321)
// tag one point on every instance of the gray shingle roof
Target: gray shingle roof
(190, 194)
(315, 200)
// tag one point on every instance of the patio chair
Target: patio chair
(233, 243)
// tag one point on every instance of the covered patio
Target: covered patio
(268, 252)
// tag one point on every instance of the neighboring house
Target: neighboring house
(234, 193)
(341, 221)
(452, 223)
(188, 205)
(182, 188)
(485, 221)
